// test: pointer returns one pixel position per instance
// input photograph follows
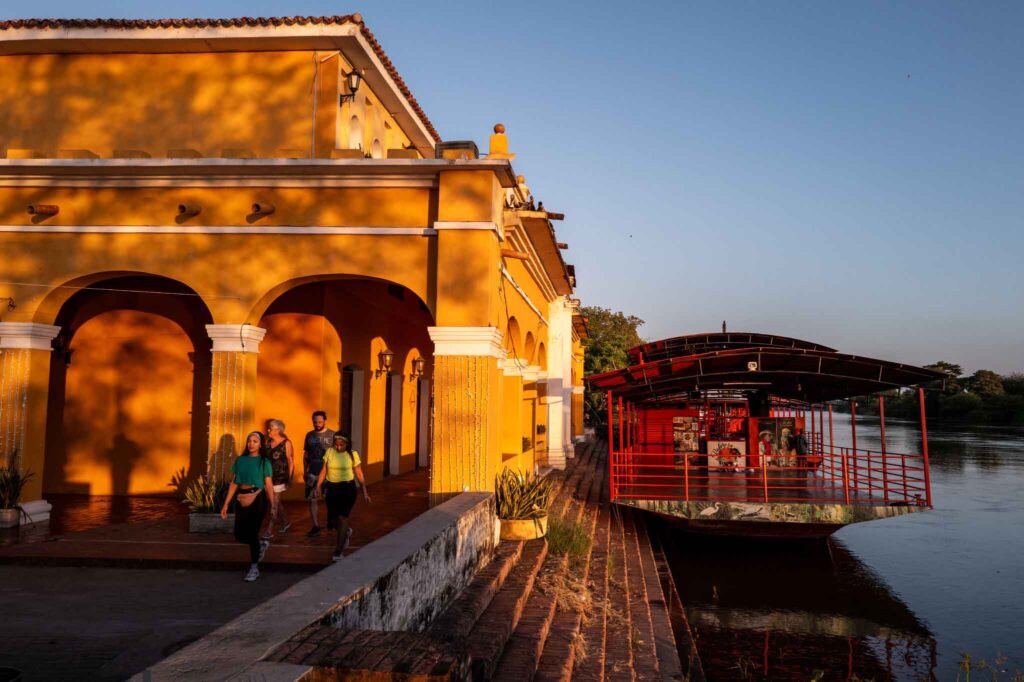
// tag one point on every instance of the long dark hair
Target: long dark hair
(263, 445)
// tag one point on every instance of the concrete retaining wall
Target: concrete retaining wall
(399, 582)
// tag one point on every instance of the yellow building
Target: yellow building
(203, 226)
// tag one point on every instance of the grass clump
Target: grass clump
(569, 539)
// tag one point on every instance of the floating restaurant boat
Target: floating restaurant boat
(732, 434)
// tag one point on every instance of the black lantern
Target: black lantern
(354, 80)
(419, 365)
(384, 359)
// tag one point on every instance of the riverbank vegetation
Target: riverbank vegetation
(984, 397)
(610, 334)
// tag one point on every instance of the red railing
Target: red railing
(825, 474)
(843, 476)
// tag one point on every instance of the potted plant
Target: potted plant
(522, 502)
(12, 482)
(204, 498)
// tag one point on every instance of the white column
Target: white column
(559, 382)
(232, 392)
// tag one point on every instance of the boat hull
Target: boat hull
(765, 520)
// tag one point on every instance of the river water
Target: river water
(894, 599)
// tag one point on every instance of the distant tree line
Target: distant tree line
(610, 335)
(984, 397)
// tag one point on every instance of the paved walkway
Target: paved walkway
(96, 532)
(64, 623)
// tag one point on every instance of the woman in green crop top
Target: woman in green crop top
(254, 485)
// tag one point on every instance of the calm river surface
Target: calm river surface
(895, 599)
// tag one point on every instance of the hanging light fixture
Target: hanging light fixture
(384, 359)
(419, 366)
(354, 80)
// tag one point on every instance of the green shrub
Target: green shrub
(12, 483)
(205, 495)
(521, 496)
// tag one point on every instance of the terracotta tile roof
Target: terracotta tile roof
(238, 22)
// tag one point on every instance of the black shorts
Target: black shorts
(341, 497)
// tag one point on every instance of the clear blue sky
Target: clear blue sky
(851, 173)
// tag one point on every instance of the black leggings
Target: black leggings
(247, 524)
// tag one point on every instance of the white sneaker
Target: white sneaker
(348, 537)
(252, 574)
(264, 545)
(336, 557)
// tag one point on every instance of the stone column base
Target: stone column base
(37, 511)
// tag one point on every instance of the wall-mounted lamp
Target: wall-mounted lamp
(419, 366)
(384, 359)
(354, 80)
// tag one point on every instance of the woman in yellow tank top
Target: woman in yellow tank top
(342, 468)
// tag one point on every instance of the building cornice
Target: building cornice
(224, 229)
(181, 172)
(491, 226)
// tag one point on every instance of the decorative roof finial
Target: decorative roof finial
(499, 144)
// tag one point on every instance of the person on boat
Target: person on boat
(313, 448)
(784, 448)
(342, 475)
(252, 482)
(800, 448)
(281, 455)
(764, 447)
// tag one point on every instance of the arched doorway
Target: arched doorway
(129, 382)
(323, 351)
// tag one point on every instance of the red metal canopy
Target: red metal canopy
(693, 344)
(791, 369)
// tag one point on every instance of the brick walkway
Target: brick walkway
(531, 614)
(96, 532)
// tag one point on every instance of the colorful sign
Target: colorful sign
(727, 454)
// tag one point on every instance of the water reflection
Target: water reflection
(900, 598)
(780, 611)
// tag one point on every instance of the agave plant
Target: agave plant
(12, 482)
(205, 495)
(521, 496)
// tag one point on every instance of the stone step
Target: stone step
(457, 621)
(435, 654)
(559, 656)
(666, 651)
(645, 659)
(525, 648)
(487, 641)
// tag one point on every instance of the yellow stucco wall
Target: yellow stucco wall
(261, 102)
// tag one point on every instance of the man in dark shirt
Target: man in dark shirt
(800, 445)
(313, 449)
